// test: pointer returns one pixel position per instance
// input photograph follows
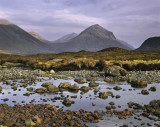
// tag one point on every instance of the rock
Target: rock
(93, 84)
(145, 114)
(67, 102)
(94, 75)
(48, 106)
(52, 88)
(103, 95)
(115, 71)
(64, 85)
(96, 90)
(109, 79)
(84, 88)
(118, 96)
(29, 122)
(93, 104)
(108, 107)
(80, 81)
(38, 120)
(153, 88)
(14, 88)
(117, 88)
(52, 72)
(0, 88)
(26, 94)
(30, 89)
(130, 104)
(138, 83)
(41, 90)
(144, 92)
(46, 84)
(112, 103)
(75, 96)
(8, 82)
(73, 87)
(91, 79)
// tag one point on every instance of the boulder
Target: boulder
(115, 71)
(144, 92)
(93, 84)
(64, 85)
(52, 88)
(47, 84)
(138, 83)
(26, 94)
(52, 72)
(0, 88)
(67, 102)
(73, 87)
(117, 88)
(41, 90)
(103, 95)
(84, 88)
(14, 88)
(80, 80)
(153, 88)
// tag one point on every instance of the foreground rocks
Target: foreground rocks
(33, 115)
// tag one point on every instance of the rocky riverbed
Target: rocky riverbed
(78, 98)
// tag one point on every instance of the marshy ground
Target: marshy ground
(104, 88)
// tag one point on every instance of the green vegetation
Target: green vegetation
(130, 60)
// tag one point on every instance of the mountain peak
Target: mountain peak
(98, 31)
(5, 22)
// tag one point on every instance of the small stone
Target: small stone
(144, 92)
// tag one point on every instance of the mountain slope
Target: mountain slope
(151, 44)
(66, 38)
(16, 40)
(126, 44)
(36, 35)
(94, 38)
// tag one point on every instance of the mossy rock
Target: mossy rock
(138, 83)
(144, 92)
(47, 84)
(115, 71)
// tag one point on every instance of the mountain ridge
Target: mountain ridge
(93, 38)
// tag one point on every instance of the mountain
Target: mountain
(94, 38)
(126, 44)
(151, 44)
(16, 40)
(36, 35)
(66, 38)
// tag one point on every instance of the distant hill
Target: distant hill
(94, 38)
(66, 38)
(113, 49)
(151, 44)
(16, 40)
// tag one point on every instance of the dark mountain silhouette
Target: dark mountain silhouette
(94, 38)
(151, 44)
(17, 41)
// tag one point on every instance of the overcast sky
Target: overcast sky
(130, 20)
